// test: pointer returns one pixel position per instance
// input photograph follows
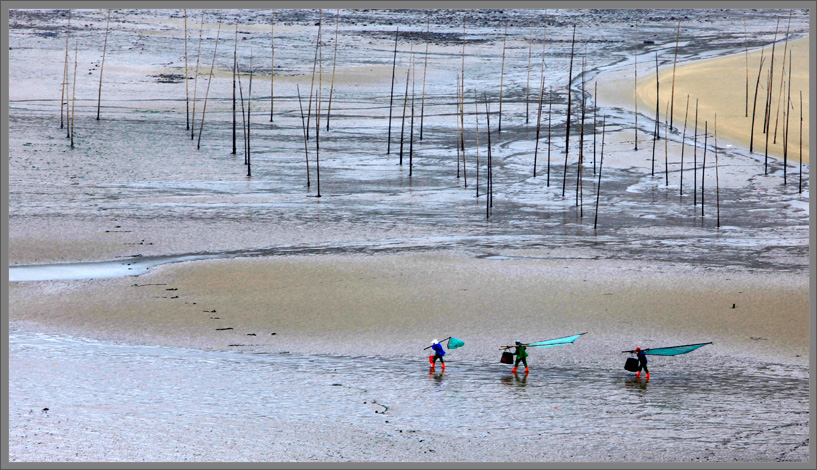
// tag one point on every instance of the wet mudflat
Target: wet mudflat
(118, 402)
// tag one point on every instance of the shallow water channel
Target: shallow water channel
(133, 392)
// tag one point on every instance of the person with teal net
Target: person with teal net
(439, 352)
(521, 356)
(642, 363)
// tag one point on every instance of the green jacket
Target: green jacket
(520, 352)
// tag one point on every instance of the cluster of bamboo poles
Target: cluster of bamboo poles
(409, 109)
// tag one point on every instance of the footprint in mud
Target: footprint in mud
(376, 407)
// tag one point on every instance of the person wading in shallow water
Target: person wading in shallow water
(521, 354)
(439, 352)
(642, 363)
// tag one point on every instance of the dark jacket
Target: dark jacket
(642, 358)
(438, 348)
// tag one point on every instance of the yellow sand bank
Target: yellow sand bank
(719, 85)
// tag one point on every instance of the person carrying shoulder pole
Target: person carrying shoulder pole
(642, 363)
(521, 356)
(439, 352)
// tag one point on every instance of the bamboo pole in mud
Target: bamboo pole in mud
(411, 133)
(391, 97)
(235, 67)
(754, 104)
(502, 79)
(674, 63)
(319, 93)
(462, 93)
(334, 62)
(476, 121)
(567, 126)
(782, 75)
(425, 69)
(527, 87)
(550, 115)
(196, 81)
(457, 123)
(666, 145)
(786, 131)
(601, 163)
(67, 105)
(635, 86)
(695, 159)
(767, 116)
(703, 168)
(74, 94)
(766, 152)
(272, 67)
(595, 115)
(303, 127)
(63, 93)
(102, 66)
(539, 119)
(800, 185)
(249, 120)
(243, 119)
(405, 102)
(462, 134)
(489, 188)
(683, 146)
(717, 183)
(657, 117)
(581, 147)
(539, 115)
(186, 76)
(207, 93)
(314, 64)
(746, 46)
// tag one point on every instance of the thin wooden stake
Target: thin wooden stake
(539, 117)
(272, 67)
(196, 80)
(243, 118)
(314, 65)
(754, 104)
(391, 97)
(501, 79)
(657, 116)
(102, 66)
(746, 45)
(769, 82)
(800, 185)
(786, 135)
(405, 102)
(666, 146)
(674, 63)
(717, 184)
(411, 133)
(683, 146)
(695, 159)
(462, 134)
(569, 95)
(74, 94)
(595, 115)
(303, 126)
(601, 163)
(703, 168)
(581, 147)
(235, 68)
(334, 62)
(550, 114)
(457, 123)
(425, 69)
(318, 110)
(489, 190)
(207, 93)
(782, 74)
(64, 92)
(249, 119)
(476, 121)
(527, 87)
(768, 109)
(635, 86)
